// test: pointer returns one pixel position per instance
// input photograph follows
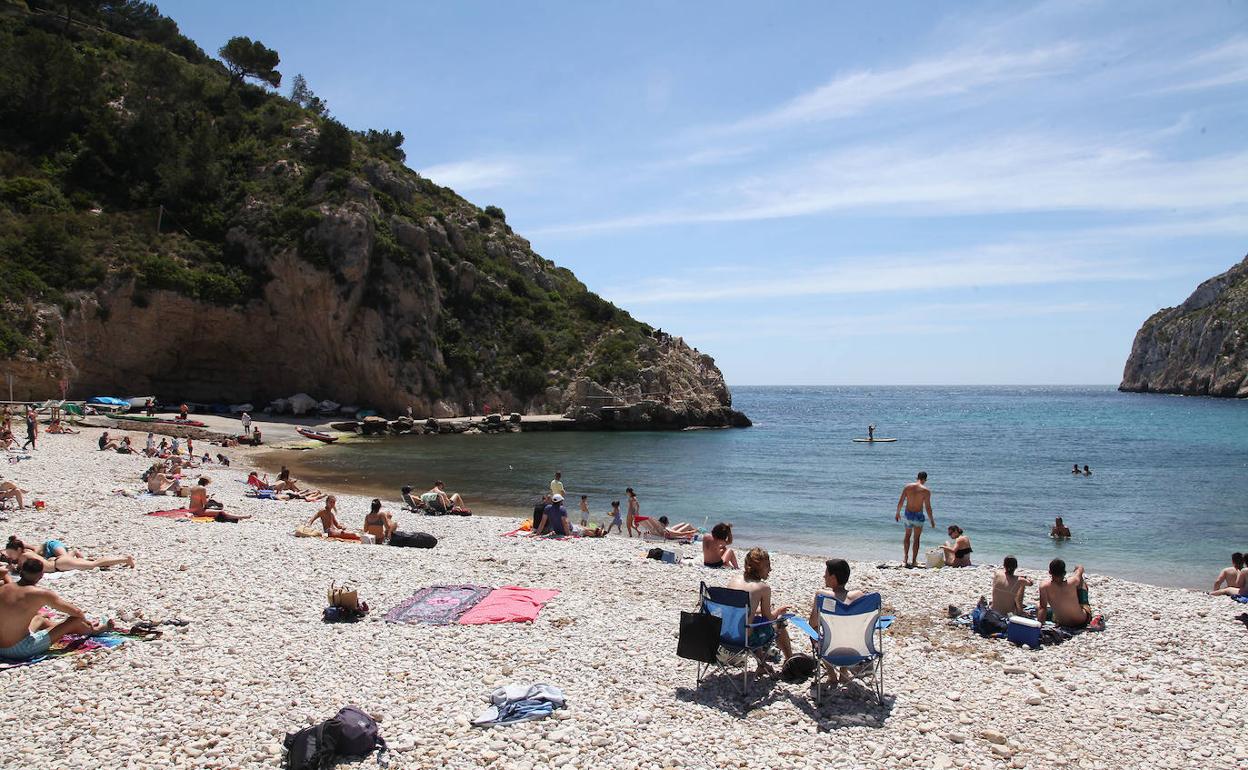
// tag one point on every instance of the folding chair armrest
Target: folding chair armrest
(762, 623)
(801, 625)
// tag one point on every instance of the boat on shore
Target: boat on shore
(316, 434)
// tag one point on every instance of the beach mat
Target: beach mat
(73, 644)
(173, 513)
(509, 604)
(437, 605)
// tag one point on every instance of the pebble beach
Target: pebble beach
(1164, 686)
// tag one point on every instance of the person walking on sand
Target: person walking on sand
(615, 518)
(556, 484)
(32, 429)
(916, 498)
(246, 420)
(634, 510)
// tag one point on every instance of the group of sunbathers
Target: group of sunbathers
(284, 488)
(1063, 599)
(550, 517)
(1233, 581)
(379, 524)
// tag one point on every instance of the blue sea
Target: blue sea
(1165, 503)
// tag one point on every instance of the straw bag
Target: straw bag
(342, 596)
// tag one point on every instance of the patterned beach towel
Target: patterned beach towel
(509, 604)
(437, 605)
(73, 644)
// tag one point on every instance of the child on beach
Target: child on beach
(634, 510)
(615, 518)
(584, 510)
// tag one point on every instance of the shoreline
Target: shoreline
(256, 661)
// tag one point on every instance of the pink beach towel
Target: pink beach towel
(509, 604)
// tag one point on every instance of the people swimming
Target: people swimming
(1087, 471)
(1060, 531)
(1075, 470)
(958, 552)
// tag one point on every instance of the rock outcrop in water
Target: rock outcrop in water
(1199, 348)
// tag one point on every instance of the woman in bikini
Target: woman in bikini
(378, 523)
(203, 505)
(957, 554)
(55, 557)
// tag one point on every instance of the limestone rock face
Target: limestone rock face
(1198, 348)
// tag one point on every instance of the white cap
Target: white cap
(556, 499)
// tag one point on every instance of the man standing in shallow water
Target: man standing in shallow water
(917, 498)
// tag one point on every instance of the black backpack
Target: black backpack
(413, 540)
(991, 622)
(349, 733)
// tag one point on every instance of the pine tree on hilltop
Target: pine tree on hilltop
(247, 58)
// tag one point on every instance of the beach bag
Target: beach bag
(355, 733)
(990, 623)
(309, 749)
(342, 596)
(654, 553)
(413, 540)
(699, 636)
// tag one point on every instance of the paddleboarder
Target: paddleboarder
(870, 433)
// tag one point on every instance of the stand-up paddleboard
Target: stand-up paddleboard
(875, 440)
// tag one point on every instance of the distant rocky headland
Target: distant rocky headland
(1199, 348)
(169, 228)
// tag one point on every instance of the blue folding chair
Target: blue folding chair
(850, 636)
(732, 607)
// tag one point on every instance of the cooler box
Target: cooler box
(1021, 630)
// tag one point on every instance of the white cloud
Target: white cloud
(1223, 65)
(1004, 175)
(1012, 264)
(474, 174)
(957, 72)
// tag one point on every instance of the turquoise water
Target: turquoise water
(1164, 503)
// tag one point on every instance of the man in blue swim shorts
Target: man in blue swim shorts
(916, 498)
(24, 633)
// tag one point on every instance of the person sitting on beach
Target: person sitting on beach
(715, 547)
(58, 427)
(957, 553)
(439, 501)
(1087, 471)
(329, 520)
(223, 460)
(203, 505)
(160, 484)
(26, 634)
(754, 581)
(538, 510)
(1232, 581)
(54, 557)
(149, 448)
(1060, 531)
(1008, 588)
(175, 447)
(125, 447)
(253, 481)
(11, 491)
(163, 449)
(836, 585)
(554, 518)
(7, 439)
(106, 443)
(1064, 601)
(615, 518)
(378, 523)
(284, 482)
(660, 528)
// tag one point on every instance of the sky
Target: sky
(821, 192)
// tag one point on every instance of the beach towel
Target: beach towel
(72, 644)
(1241, 599)
(509, 604)
(437, 605)
(175, 513)
(515, 703)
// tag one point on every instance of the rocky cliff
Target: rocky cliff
(1199, 348)
(169, 231)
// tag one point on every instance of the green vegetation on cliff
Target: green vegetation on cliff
(129, 157)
